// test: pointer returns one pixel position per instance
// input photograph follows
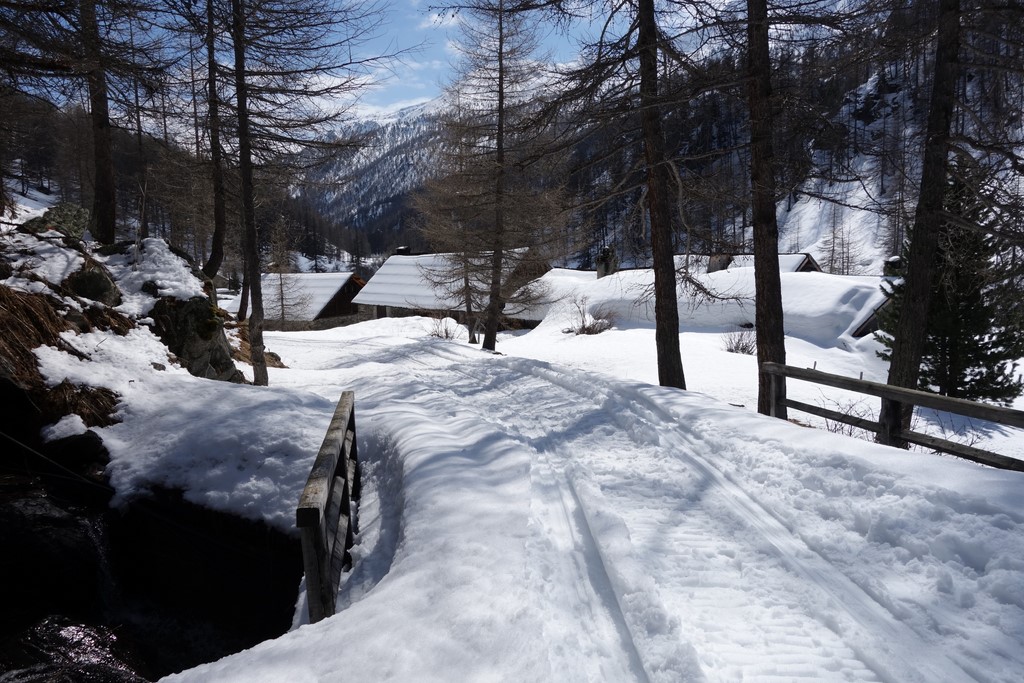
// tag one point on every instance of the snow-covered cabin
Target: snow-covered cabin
(405, 285)
(788, 263)
(819, 306)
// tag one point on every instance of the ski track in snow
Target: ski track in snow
(600, 500)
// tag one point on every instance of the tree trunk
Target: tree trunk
(251, 240)
(281, 295)
(470, 317)
(143, 231)
(768, 315)
(220, 221)
(666, 304)
(495, 304)
(243, 297)
(911, 326)
(104, 199)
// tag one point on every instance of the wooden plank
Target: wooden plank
(324, 512)
(964, 451)
(353, 477)
(889, 427)
(326, 592)
(312, 567)
(315, 495)
(350, 443)
(353, 461)
(339, 560)
(336, 509)
(981, 411)
(860, 422)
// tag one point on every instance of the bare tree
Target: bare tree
(911, 325)
(285, 299)
(492, 211)
(620, 80)
(88, 44)
(976, 82)
(291, 58)
(220, 222)
(666, 306)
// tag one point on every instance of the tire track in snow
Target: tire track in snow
(581, 544)
(654, 631)
(737, 606)
(832, 599)
(805, 649)
(593, 643)
(571, 580)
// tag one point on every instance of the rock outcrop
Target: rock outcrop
(194, 332)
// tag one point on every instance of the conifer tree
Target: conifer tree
(973, 340)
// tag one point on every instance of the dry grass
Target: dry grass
(241, 351)
(30, 321)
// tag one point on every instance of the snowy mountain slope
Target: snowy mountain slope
(371, 183)
(851, 214)
(849, 210)
(370, 188)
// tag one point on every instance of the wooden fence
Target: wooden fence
(890, 428)
(324, 516)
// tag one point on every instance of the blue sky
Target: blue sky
(424, 70)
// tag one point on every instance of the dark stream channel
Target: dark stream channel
(90, 593)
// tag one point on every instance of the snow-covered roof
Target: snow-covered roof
(404, 282)
(314, 290)
(819, 306)
(320, 288)
(788, 263)
(400, 282)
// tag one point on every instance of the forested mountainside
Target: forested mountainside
(845, 199)
(150, 140)
(360, 200)
(368, 189)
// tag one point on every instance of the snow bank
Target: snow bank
(820, 308)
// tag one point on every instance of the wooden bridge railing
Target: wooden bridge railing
(324, 516)
(890, 428)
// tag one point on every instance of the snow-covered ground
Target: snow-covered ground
(549, 514)
(539, 521)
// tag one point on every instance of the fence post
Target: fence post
(890, 423)
(777, 388)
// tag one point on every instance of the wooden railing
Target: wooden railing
(324, 516)
(889, 427)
